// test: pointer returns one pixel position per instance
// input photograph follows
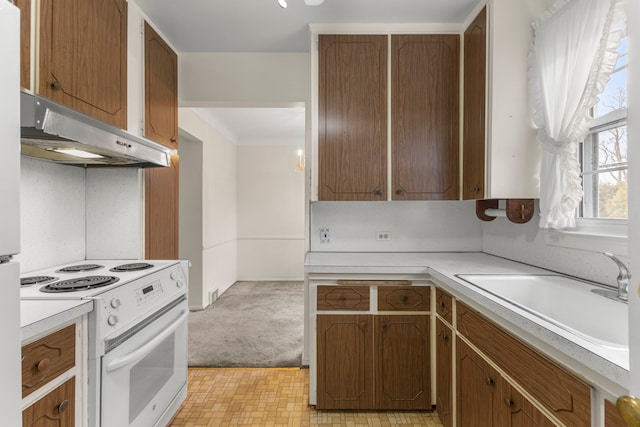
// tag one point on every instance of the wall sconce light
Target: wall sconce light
(282, 3)
(300, 165)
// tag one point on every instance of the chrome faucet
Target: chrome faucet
(623, 277)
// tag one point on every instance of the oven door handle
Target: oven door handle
(141, 352)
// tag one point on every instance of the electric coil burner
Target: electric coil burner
(79, 284)
(135, 266)
(36, 280)
(79, 267)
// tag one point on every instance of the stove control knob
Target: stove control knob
(112, 320)
(180, 284)
(173, 275)
(115, 303)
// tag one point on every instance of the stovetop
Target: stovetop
(86, 278)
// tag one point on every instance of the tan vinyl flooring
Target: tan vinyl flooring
(272, 397)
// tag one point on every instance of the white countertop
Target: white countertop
(39, 316)
(602, 366)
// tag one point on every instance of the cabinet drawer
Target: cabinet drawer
(444, 305)
(332, 297)
(404, 298)
(563, 394)
(56, 408)
(47, 358)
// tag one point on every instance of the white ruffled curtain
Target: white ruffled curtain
(572, 56)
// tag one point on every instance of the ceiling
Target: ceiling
(258, 26)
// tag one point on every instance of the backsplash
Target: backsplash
(52, 214)
(431, 226)
(525, 243)
(69, 213)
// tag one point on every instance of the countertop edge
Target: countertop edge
(66, 311)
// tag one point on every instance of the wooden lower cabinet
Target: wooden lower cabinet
(56, 408)
(485, 398)
(373, 361)
(477, 385)
(611, 416)
(444, 370)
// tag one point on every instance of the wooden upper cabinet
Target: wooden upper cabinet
(83, 57)
(161, 89)
(425, 117)
(475, 78)
(352, 121)
(161, 204)
(25, 42)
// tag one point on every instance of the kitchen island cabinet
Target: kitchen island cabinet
(354, 133)
(82, 60)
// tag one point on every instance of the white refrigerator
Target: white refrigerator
(10, 370)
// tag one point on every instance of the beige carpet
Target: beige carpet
(251, 325)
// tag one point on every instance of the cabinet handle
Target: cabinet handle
(445, 337)
(510, 403)
(43, 365)
(173, 139)
(378, 192)
(343, 297)
(490, 381)
(56, 85)
(442, 304)
(404, 298)
(63, 406)
(400, 190)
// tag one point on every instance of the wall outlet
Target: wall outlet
(383, 235)
(213, 295)
(325, 237)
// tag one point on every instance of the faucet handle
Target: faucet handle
(623, 276)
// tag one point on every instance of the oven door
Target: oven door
(143, 375)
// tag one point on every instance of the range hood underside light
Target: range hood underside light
(78, 153)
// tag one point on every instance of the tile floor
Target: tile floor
(272, 397)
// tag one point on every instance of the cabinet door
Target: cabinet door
(25, 42)
(352, 117)
(477, 383)
(161, 198)
(425, 117)
(517, 411)
(402, 362)
(55, 409)
(475, 78)
(83, 56)
(160, 90)
(444, 377)
(345, 362)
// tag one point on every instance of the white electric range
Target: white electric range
(137, 334)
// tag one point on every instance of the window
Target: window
(603, 154)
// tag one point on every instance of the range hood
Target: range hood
(49, 131)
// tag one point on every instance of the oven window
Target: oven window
(149, 375)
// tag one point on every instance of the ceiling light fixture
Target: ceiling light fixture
(313, 2)
(282, 3)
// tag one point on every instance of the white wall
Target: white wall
(433, 226)
(190, 214)
(525, 243)
(218, 205)
(271, 209)
(246, 79)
